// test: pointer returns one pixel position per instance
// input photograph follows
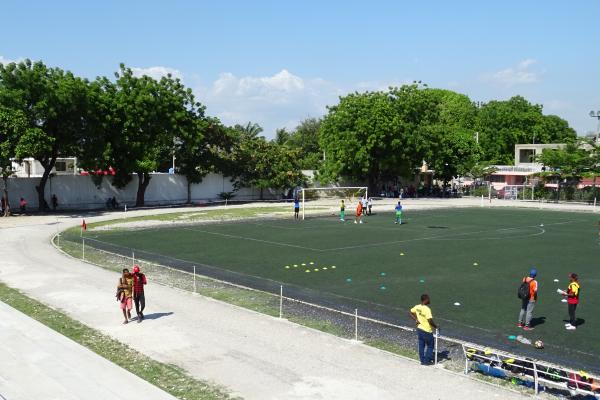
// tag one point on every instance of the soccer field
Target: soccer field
(472, 256)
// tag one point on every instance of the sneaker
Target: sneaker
(567, 324)
(520, 325)
(395, 222)
(355, 222)
(527, 328)
(571, 328)
(360, 222)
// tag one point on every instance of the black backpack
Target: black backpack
(523, 292)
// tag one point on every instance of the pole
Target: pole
(435, 347)
(303, 205)
(132, 259)
(281, 301)
(481, 200)
(490, 192)
(594, 204)
(532, 189)
(535, 379)
(83, 249)
(194, 279)
(356, 324)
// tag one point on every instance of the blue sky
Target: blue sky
(277, 62)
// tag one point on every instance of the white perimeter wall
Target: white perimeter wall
(80, 192)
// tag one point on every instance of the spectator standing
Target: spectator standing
(528, 293)
(23, 205)
(54, 202)
(572, 294)
(370, 204)
(139, 280)
(124, 292)
(421, 314)
(364, 205)
(296, 208)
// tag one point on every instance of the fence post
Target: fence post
(481, 200)
(356, 324)
(594, 204)
(535, 379)
(281, 301)
(194, 279)
(435, 347)
(83, 248)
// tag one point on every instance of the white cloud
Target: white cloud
(275, 101)
(4, 60)
(157, 72)
(519, 74)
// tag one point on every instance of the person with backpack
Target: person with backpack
(528, 292)
(139, 280)
(572, 295)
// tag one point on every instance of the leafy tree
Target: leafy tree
(305, 138)
(502, 124)
(13, 125)
(265, 165)
(567, 165)
(55, 105)
(206, 147)
(282, 136)
(250, 130)
(145, 118)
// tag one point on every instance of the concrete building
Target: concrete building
(32, 168)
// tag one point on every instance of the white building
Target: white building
(32, 168)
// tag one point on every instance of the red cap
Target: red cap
(136, 269)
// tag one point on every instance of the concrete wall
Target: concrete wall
(80, 192)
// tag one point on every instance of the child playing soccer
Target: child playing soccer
(342, 211)
(398, 214)
(296, 208)
(359, 213)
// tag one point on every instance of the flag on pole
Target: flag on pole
(84, 225)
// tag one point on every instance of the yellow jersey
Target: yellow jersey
(423, 314)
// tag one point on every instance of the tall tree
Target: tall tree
(55, 105)
(13, 126)
(305, 138)
(502, 124)
(146, 117)
(250, 130)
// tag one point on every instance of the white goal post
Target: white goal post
(339, 192)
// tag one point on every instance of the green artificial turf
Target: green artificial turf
(474, 256)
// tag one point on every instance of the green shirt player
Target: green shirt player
(398, 214)
(342, 211)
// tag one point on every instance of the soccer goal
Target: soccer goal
(330, 197)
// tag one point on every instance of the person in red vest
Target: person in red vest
(139, 280)
(572, 295)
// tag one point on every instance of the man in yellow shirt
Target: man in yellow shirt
(421, 313)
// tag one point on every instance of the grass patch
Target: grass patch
(169, 378)
(392, 347)
(202, 214)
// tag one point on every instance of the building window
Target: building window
(526, 156)
(497, 178)
(60, 166)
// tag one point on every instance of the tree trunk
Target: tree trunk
(143, 182)
(5, 196)
(42, 203)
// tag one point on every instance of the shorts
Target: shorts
(296, 210)
(127, 304)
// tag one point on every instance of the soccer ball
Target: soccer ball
(539, 344)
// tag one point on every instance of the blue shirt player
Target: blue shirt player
(296, 208)
(398, 214)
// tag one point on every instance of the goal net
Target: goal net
(328, 199)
